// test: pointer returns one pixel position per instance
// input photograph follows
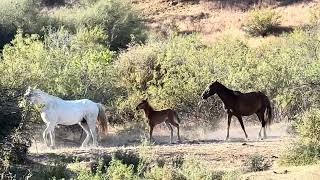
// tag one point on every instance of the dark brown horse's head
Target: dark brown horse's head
(210, 90)
(143, 104)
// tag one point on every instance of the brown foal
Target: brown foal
(156, 117)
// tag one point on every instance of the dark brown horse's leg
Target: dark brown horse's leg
(242, 126)
(177, 126)
(229, 121)
(171, 130)
(150, 133)
(263, 125)
(261, 119)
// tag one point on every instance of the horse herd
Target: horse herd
(90, 115)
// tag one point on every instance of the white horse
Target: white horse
(58, 111)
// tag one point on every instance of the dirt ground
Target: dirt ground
(209, 146)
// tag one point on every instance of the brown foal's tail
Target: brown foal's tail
(102, 121)
(177, 117)
(269, 117)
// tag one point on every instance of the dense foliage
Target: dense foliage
(23, 14)
(71, 66)
(119, 21)
(14, 132)
(307, 149)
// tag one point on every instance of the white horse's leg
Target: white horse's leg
(92, 126)
(264, 132)
(52, 135)
(86, 130)
(44, 135)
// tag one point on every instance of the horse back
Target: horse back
(251, 99)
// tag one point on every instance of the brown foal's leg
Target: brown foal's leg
(242, 126)
(229, 121)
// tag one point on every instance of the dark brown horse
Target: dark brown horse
(156, 117)
(242, 104)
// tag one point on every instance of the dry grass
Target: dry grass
(213, 21)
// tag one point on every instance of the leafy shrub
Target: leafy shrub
(117, 170)
(307, 149)
(84, 174)
(301, 154)
(23, 14)
(54, 171)
(193, 168)
(261, 22)
(15, 136)
(257, 162)
(118, 19)
(70, 66)
(309, 127)
(161, 173)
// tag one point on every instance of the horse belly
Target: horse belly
(69, 117)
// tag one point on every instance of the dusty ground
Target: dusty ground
(209, 146)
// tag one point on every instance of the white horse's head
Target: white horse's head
(35, 96)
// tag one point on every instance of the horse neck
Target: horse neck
(148, 110)
(226, 95)
(47, 98)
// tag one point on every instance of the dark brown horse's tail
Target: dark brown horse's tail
(177, 117)
(269, 117)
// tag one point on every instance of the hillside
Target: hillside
(213, 19)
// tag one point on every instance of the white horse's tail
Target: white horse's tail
(102, 122)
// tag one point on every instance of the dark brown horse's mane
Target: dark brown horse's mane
(227, 90)
(149, 109)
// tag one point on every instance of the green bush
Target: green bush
(83, 174)
(257, 162)
(15, 134)
(22, 14)
(118, 171)
(307, 149)
(70, 66)
(118, 19)
(54, 171)
(261, 22)
(163, 173)
(301, 154)
(309, 127)
(193, 168)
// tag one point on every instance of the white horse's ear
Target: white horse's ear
(27, 91)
